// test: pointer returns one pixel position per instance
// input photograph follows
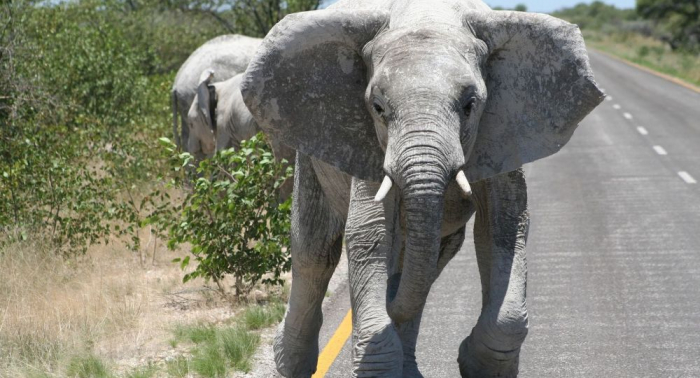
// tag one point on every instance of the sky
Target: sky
(547, 6)
(544, 6)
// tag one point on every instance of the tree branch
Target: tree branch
(227, 25)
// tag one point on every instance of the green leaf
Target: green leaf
(185, 262)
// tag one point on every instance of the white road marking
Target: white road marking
(608, 98)
(627, 115)
(642, 130)
(660, 150)
(687, 177)
(617, 107)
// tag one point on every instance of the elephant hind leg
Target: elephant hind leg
(500, 233)
(316, 247)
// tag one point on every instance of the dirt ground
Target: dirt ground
(116, 304)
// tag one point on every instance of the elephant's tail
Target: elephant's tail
(176, 134)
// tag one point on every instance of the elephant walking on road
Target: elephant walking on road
(410, 117)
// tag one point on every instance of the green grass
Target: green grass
(257, 317)
(143, 372)
(195, 333)
(178, 368)
(208, 361)
(647, 52)
(220, 349)
(239, 346)
(87, 366)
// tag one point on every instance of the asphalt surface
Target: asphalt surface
(614, 247)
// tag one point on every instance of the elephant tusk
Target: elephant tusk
(383, 190)
(464, 184)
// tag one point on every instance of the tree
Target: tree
(680, 18)
(249, 17)
(596, 15)
(520, 8)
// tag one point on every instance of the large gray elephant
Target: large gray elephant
(219, 119)
(395, 107)
(227, 55)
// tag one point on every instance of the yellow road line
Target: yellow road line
(670, 78)
(334, 346)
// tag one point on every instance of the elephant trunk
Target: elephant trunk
(423, 173)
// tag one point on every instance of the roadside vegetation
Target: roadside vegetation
(662, 35)
(109, 245)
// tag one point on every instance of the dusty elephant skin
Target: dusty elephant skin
(424, 97)
(226, 56)
(218, 120)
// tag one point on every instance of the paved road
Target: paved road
(614, 249)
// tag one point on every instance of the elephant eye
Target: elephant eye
(378, 107)
(469, 106)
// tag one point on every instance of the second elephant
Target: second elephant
(219, 120)
(227, 55)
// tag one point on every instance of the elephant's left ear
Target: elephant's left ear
(206, 97)
(540, 86)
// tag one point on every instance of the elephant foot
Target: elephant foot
(295, 355)
(378, 354)
(410, 369)
(476, 360)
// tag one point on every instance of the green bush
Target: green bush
(79, 120)
(80, 113)
(232, 217)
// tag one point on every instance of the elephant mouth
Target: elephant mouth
(208, 149)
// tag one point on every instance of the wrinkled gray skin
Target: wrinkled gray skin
(232, 123)
(417, 91)
(226, 55)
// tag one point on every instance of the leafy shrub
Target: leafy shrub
(232, 217)
(80, 111)
(78, 120)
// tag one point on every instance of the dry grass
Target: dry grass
(107, 307)
(648, 52)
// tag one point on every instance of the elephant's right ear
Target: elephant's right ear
(306, 85)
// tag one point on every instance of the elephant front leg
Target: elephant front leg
(500, 233)
(377, 348)
(316, 248)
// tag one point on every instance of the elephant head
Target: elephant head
(218, 117)
(417, 106)
(202, 116)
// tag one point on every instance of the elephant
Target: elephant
(228, 55)
(409, 118)
(219, 120)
